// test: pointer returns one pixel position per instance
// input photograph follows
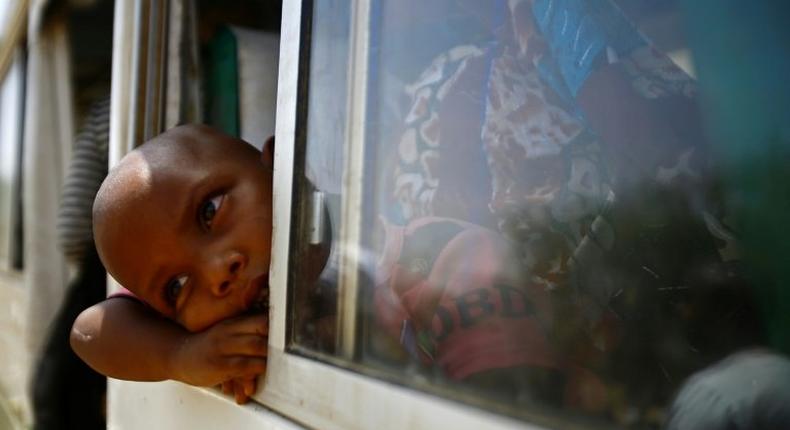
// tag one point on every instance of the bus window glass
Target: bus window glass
(314, 322)
(546, 229)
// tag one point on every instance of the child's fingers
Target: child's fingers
(245, 366)
(241, 397)
(255, 324)
(227, 387)
(249, 385)
(247, 344)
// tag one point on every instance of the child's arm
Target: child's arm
(122, 339)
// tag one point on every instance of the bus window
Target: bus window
(514, 204)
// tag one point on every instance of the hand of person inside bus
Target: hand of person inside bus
(231, 352)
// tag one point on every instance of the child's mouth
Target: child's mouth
(260, 303)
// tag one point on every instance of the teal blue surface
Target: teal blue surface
(223, 82)
(742, 55)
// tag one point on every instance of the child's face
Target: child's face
(191, 232)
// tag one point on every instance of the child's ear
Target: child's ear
(267, 152)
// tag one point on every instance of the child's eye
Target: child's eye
(209, 209)
(173, 289)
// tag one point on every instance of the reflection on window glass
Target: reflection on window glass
(547, 229)
(318, 211)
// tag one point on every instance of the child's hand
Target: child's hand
(240, 388)
(230, 350)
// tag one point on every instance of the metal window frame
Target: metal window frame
(353, 176)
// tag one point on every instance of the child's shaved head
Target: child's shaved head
(184, 222)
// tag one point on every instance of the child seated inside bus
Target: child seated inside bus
(184, 222)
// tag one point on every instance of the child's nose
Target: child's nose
(229, 268)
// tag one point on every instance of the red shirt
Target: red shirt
(456, 292)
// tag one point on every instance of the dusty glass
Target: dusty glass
(546, 226)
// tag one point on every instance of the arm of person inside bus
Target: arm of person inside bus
(123, 339)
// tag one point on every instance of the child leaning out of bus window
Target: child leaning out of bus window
(184, 222)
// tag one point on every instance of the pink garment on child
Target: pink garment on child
(123, 292)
